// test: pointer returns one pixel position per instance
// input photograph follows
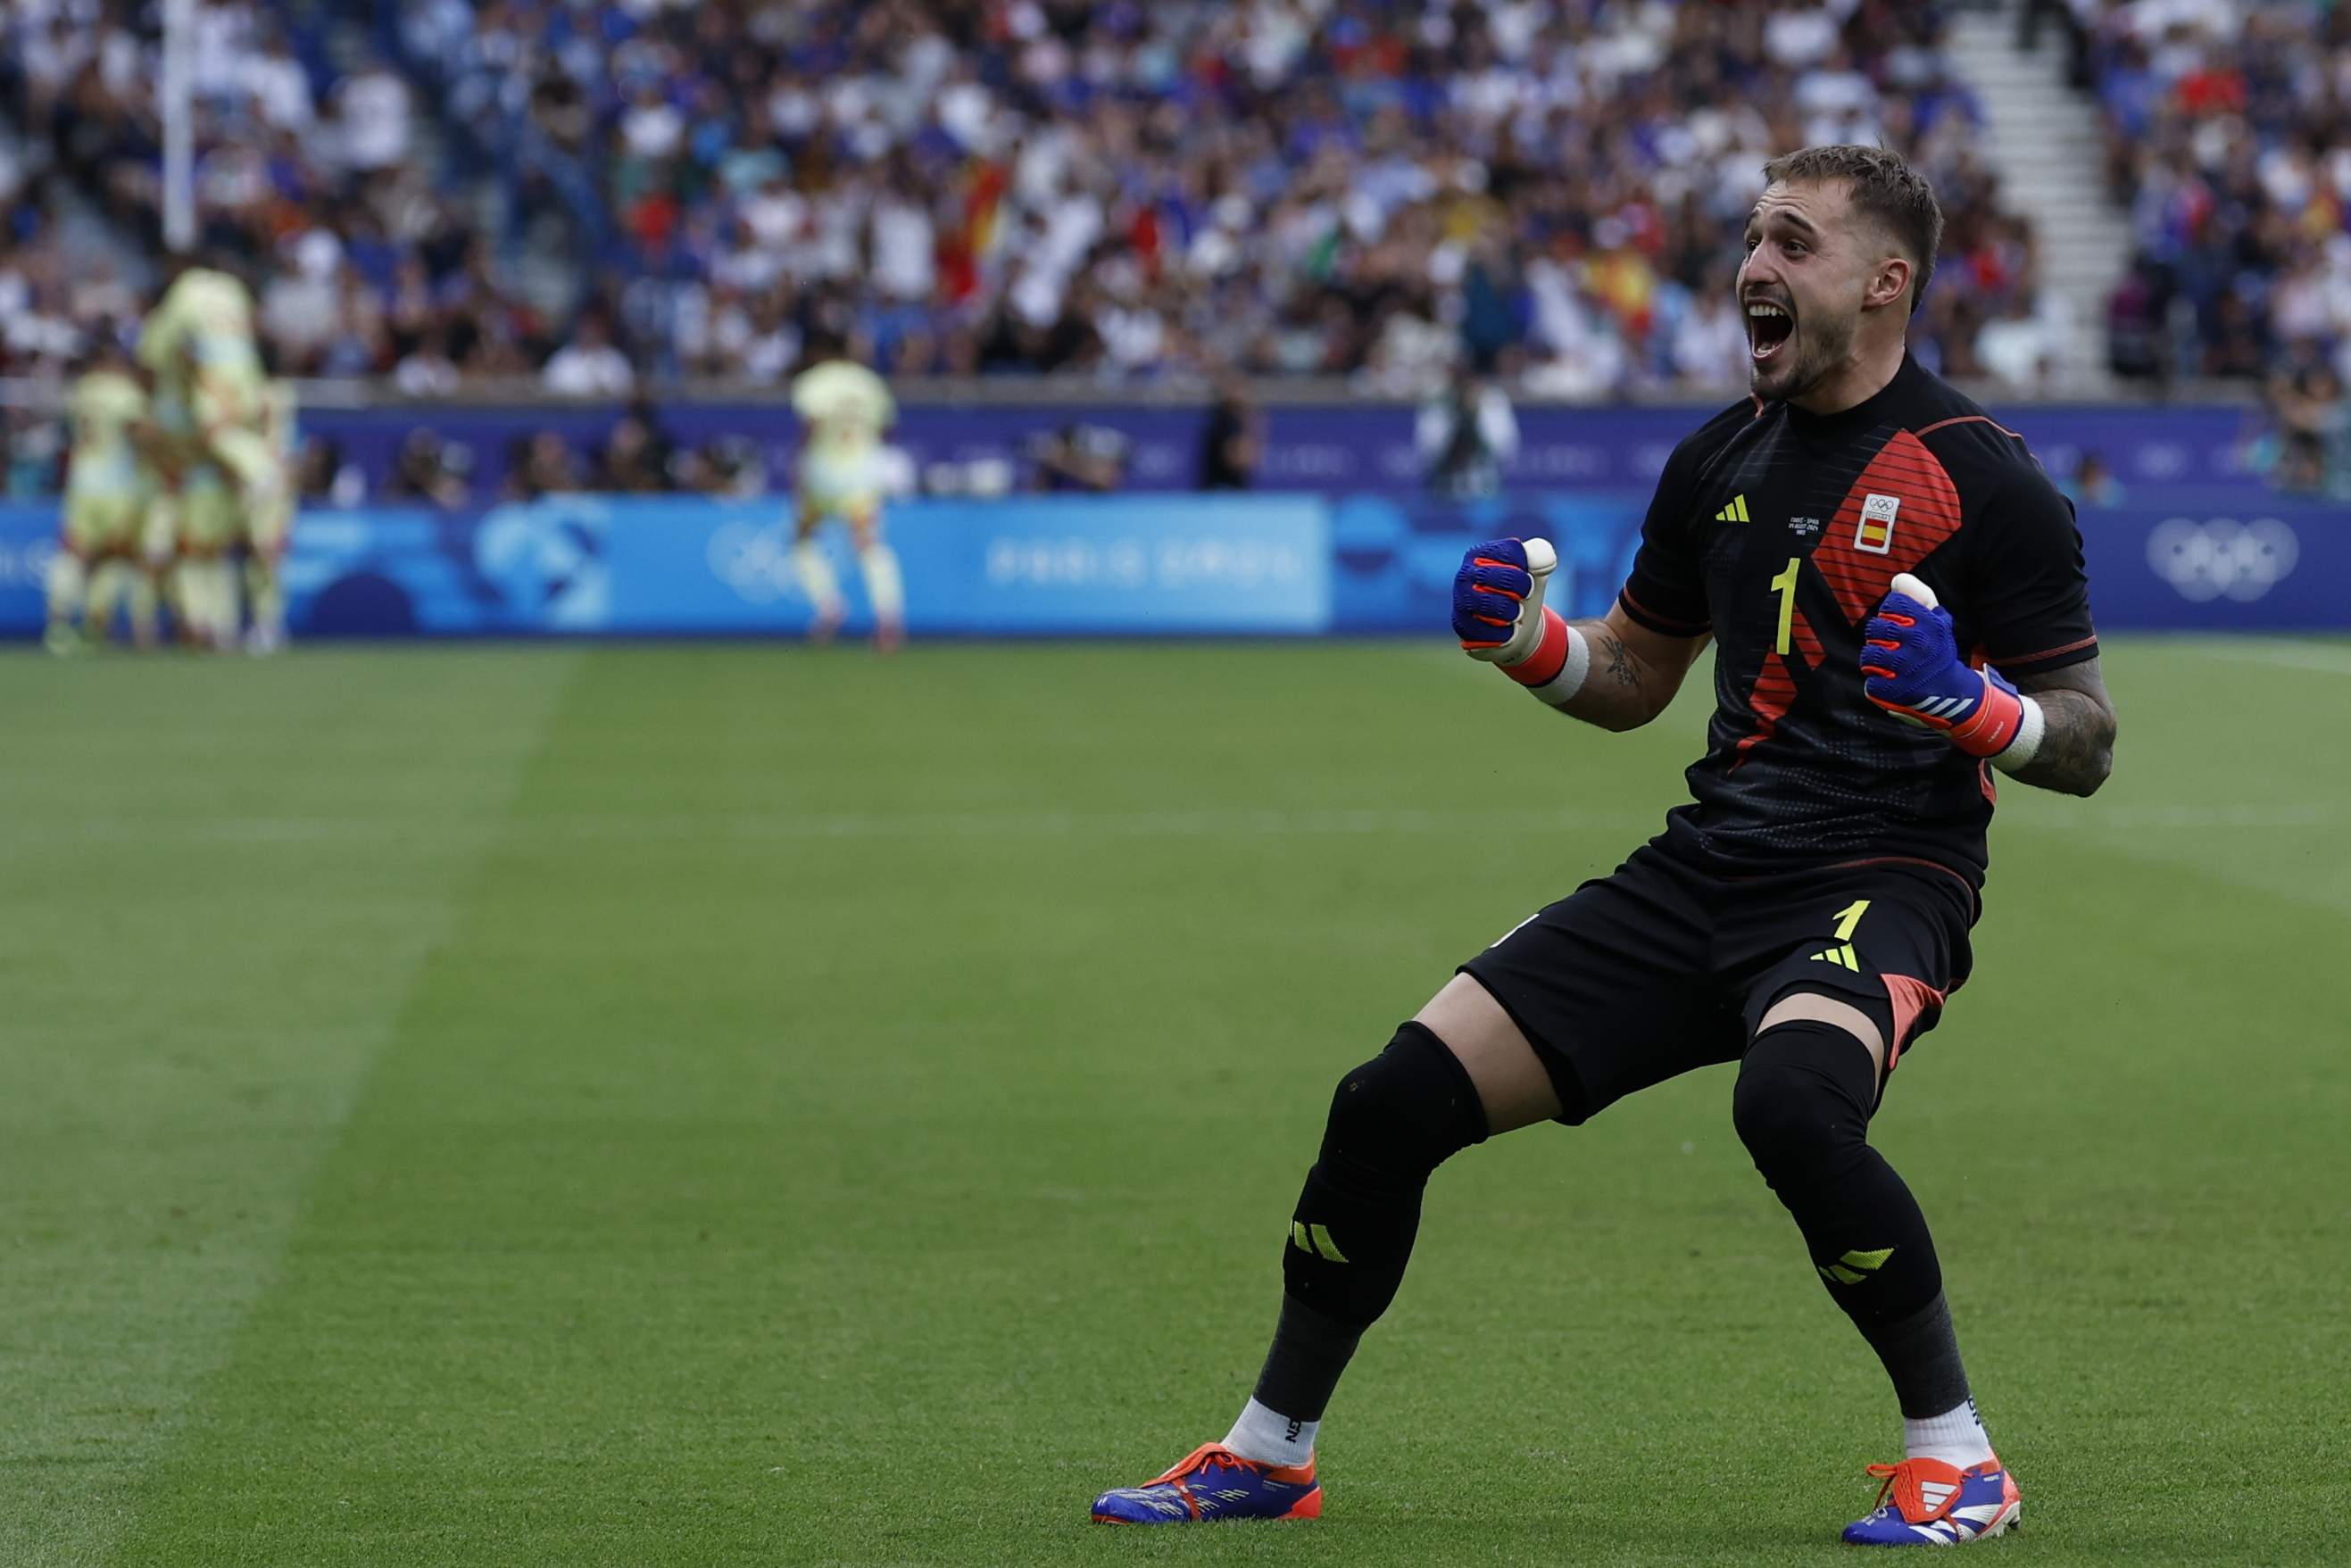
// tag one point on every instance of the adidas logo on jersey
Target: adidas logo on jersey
(1734, 513)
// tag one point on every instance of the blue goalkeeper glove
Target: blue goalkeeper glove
(1499, 614)
(1911, 667)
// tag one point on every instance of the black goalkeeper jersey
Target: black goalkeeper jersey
(1779, 531)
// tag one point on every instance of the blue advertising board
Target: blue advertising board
(1075, 567)
(2190, 558)
(634, 566)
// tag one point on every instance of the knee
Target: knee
(1404, 1112)
(1801, 1106)
(1779, 1115)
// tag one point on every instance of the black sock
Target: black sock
(1805, 1090)
(1303, 1364)
(1921, 1354)
(1392, 1121)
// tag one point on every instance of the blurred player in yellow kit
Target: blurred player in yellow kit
(845, 409)
(109, 491)
(269, 519)
(229, 484)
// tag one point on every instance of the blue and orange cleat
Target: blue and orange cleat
(1212, 1484)
(1926, 1502)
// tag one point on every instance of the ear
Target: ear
(1888, 284)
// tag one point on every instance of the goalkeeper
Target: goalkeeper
(1807, 915)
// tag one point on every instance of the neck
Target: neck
(1862, 376)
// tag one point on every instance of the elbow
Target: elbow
(2102, 756)
(1618, 720)
(2099, 766)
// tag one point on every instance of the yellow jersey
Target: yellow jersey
(102, 409)
(199, 338)
(845, 407)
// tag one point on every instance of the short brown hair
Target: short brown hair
(1885, 189)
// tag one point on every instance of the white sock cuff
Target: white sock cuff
(1957, 1436)
(1270, 1437)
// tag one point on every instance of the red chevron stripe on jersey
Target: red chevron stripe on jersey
(1775, 688)
(1807, 641)
(1927, 513)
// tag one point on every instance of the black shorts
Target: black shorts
(1660, 966)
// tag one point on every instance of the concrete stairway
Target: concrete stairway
(2043, 143)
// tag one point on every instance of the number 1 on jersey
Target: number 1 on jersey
(1785, 586)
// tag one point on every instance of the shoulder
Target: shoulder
(1691, 453)
(1983, 455)
(1719, 428)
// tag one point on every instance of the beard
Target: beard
(1812, 352)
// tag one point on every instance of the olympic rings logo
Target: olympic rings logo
(2222, 557)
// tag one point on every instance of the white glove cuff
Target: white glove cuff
(1562, 687)
(2027, 744)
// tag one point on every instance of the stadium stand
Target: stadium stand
(308, 178)
(1134, 192)
(1130, 192)
(597, 197)
(2228, 135)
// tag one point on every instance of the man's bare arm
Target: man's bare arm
(1635, 671)
(2077, 749)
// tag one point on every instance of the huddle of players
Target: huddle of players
(179, 480)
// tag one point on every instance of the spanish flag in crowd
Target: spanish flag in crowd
(965, 249)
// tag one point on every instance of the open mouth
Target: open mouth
(1768, 327)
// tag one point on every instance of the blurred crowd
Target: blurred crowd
(604, 194)
(1361, 188)
(1370, 189)
(2228, 134)
(308, 183)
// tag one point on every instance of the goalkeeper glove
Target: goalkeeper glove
(1499, 614)
(1911, 667)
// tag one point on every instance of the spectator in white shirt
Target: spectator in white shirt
(589, 366)
(2018, 348)
(372, 109)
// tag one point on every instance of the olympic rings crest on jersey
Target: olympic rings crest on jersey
(2221, 557)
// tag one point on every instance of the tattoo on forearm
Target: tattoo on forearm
(1621, 701)
(2077, 749)
(1620, 663)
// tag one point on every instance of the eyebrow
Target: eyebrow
(1794, 220)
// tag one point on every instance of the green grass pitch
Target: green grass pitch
(731, 1106)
